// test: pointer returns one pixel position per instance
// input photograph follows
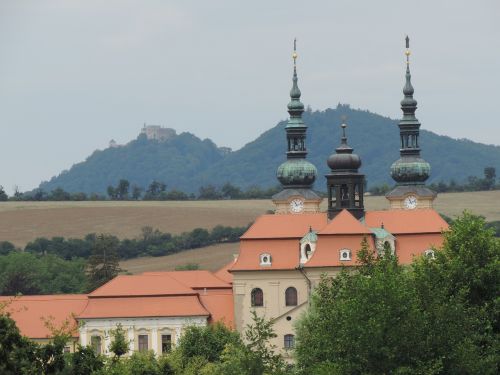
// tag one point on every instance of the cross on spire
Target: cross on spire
(294, 55)
(407, 52)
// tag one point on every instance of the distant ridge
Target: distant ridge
(186, 162)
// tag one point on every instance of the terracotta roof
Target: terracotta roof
(284, 254)
(220, 307)
(327, 253)
(141, 307)
(198, 279)
(344, 223)
(410, 245)
(407, 221)
(224, 273)
(142, 285)
(31, 312)
(285, 226)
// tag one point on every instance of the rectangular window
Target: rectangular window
(143, 343)
(289, 341)
(166, 343)
(95, 343)
(66, 349)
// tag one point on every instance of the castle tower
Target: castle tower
(296, 174)
(410, 171)
(345, 184)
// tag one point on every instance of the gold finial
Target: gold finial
(343, 125)
(407, 52)
(294, 54)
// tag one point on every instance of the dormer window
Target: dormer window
(265, 259)
(429, 253)
(345, 255)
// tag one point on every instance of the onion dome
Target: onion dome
(344, 160)
(296, 173)
(410, 169)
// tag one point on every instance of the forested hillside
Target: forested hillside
(185, 162)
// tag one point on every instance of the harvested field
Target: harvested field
(208, 258)
(21, 222)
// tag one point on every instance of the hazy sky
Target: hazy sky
(75, 74)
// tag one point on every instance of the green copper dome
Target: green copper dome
(296, 173)
(410, 170)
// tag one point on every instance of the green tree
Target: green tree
(209, 192)
(103, 264)
(25, 273)
(122, 189)
(257, 335)
(6, 247)
(437, 316)
(3, 195)
(112, 193)
(119, 345)
(85, 362)
(136, 192)
(19, 355)
(206, 343)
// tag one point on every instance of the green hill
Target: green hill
(185, 162)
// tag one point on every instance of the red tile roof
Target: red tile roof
(407, 221)
(198, 279)
(344, 223)
(285, 226)
(327, 253)
(142, 285)
(224, 273)
(284, 254)
(220, 307)
(141, 307)
(32, 312)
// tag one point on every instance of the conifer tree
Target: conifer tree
(103, 264)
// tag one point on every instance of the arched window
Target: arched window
(257, 297)
(291, 296)
(289, 341)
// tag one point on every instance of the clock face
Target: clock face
(410, 202)
(296, 205)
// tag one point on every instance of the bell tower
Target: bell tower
(344, 183)
(296, 174)
(410, 171)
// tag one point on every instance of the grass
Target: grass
(21, 222)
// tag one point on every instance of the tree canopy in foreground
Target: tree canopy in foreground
(437, 316)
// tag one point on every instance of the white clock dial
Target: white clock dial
(296, 205)
(410, 202)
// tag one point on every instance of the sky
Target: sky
(75, 74)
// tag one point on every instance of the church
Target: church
(282, 256)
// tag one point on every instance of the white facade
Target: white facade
(152, 328)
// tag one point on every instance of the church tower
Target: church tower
(296, 174)
(410, 171)
(345, 185)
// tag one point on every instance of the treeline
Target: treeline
(472, 183)
(78, 265)
(156, 191)
(151, 242)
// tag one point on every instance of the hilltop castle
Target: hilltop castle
(281, 256)
(157, 132)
